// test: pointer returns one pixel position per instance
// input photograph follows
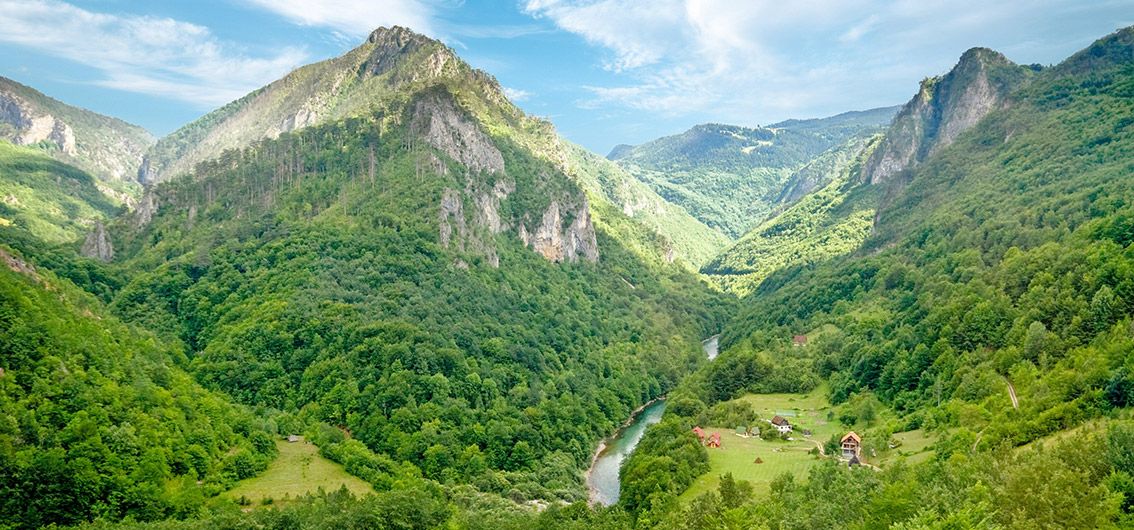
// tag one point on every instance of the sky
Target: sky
(605, 72)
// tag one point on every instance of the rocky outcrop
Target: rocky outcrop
(944, 108)
(97, 244)
(146, 208)
(559, 243)
(30, 127)
(437, 119)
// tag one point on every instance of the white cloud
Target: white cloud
(143, 54)
(355, 17)
(758, 60)
(516, 94)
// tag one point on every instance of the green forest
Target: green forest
(457, 307)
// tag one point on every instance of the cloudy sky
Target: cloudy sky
(604, 71)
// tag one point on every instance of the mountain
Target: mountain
(991, 308)
(943, 108)
(366, 79)
(437, 274)
(827, 206)
(108, 148)
(730, 177)
(814, 226)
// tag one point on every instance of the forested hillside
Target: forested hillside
(993, 327)
(99, 418)
(346, 271)
(381, 256)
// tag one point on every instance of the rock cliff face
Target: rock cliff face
(108, 148)
(470, 218)
(943, 108)
(97, 244)
(558, 243)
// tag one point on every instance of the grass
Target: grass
(916, 447)
(737, 454)
(809, 411)
(296, 471)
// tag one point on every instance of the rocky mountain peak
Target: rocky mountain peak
(945, 107)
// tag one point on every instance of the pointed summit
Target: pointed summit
(943, 108)
(392, 61)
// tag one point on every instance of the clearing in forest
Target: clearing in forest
(299, 469)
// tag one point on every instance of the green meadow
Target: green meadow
(298, 470)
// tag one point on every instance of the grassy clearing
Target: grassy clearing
(296, 471)
(737, 454)
(810, 411)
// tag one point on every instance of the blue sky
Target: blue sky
(604, 71)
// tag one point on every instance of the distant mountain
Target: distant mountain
(731, 177)
(105, 147)
(827, 212)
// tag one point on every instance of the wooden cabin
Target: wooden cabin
(852, 445)
(714, 440)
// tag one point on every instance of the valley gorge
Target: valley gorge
(384, 277)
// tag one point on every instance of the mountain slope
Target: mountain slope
(52, 201)
(943, 108)
(730, 177)
(818, 225)
(679, 234)
(98, 419)
(854, 179)
(105, 147)
(430, 275)
(1005, 257)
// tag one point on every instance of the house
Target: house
(292, 438)
(714, 440)
(782, 424)
(852, 444)
(799, 340)
(700, 433)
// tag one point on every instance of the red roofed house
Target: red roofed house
(700, 433)
(799, 340)
(852, 444)
(714, 440)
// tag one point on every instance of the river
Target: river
(602, 478)
(603, 484)
(710, 345)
